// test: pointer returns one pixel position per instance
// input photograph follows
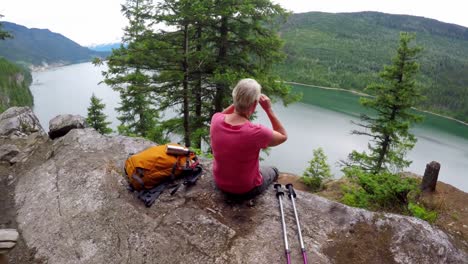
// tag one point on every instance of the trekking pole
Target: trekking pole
(279, 195)
(292, 195)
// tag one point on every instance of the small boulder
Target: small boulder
(60, 125)
(8, 238)
(19, 121)
(8, 152)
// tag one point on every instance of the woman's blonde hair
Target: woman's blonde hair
(244, 95)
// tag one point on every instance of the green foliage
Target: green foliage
(422, 213)
(202, 153)
(317, 172)
(129, 75)
(392, 103)
(382, 191)
(347, 50)
(96, 118)
(14, 85)
(14, 81)
(191, 69)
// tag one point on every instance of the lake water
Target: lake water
(322, 119)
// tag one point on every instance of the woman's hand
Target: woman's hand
(265, 102)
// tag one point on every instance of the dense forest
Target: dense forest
(347, 50)
(41, 46)
(14, 86)
(14, 80)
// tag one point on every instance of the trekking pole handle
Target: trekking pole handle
(291, 191)
(279, 190)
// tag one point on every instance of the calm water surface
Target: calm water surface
(322, 119)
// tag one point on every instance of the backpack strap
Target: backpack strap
(190, 178)
(136, 177)
(149, 196)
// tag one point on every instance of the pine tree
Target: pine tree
(317, 171)
(392, 103)
(128, 73)
(247, 44)
(192, 67)
(96, 118)
(216, 44)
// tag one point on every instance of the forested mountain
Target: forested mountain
(14, 86)
(39, 46)
(347, 50)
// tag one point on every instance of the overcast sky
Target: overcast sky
(100, 21)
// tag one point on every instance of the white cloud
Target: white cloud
(84, 21)
(100, 21)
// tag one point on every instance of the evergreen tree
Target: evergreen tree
(4, 34)
(215, 44)
(317, 171)
(128, 73)
(96, 118)
(176, 50)
(191, 68)
(246, 42)
(392, 103)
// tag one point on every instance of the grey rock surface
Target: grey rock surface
(73, 207)
(8, 152)
(18, 122)
(62, 124)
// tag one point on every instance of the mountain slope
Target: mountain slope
(14, 86)
(39, 46)
(347, 50)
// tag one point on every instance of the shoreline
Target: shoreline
(364, 94)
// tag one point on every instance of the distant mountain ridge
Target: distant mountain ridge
(348, 50)
(41, 46)
(105, 47)
(414, 24)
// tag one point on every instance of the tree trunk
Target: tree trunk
(430, 177)
(198, 93)
(382, 154)
(385, 145)
(186, 89)
(221, 87)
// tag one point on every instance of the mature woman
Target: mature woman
(236, 143)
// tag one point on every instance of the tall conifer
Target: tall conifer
(129, 74)
(191, 67)
(392, 103)
(96, 118)
(215, 44)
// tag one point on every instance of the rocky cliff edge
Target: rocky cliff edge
(71, 205)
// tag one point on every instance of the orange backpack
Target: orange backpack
(154, 165)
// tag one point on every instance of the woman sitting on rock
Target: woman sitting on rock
(236, 143)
